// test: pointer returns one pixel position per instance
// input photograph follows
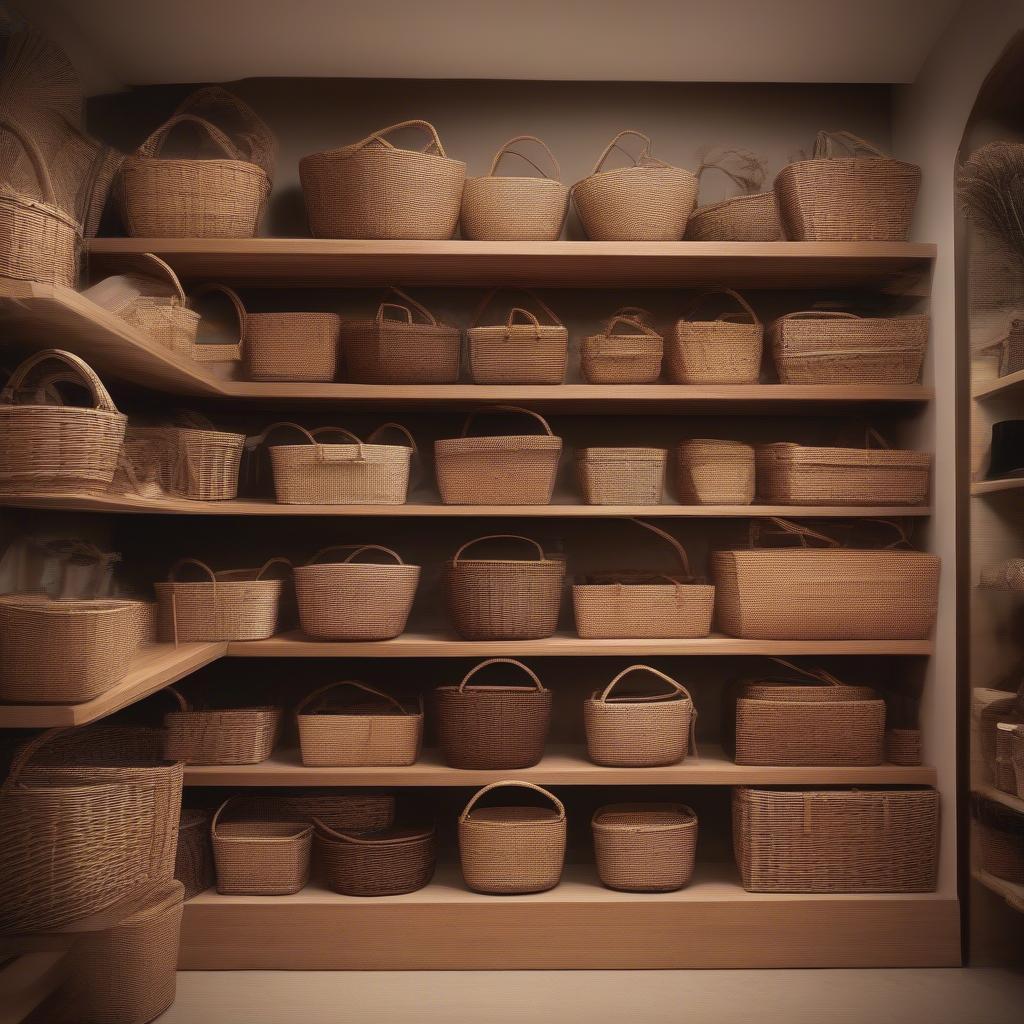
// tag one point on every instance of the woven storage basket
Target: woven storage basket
(373, 190)
(998, 834)
(850, 192)
(508, 850)
(193, 864)
(990, 711)
(53, 447)
(903, 746)
(649, 201)
(521, 350)
(632, 356)
(1005, 745)
(621, 476)
(824, 594)
(257, 856)
(348, 600)
(836, 840)
(513, 469)
(832, 347)
(191, 198)
(726, 350)
(164, 318)
(396, 349)
(63, 652)
(493, 727)
(378, 732)
(355, 811)
(503, 598)
(647, 847)
(387, 863)
(751, 216)
(640, 731)
(713, 472)
(233, 605)
(1008, 575)
(38, 240)
(629, 605)
(209, 736)
(1017, 759)
(515, 209)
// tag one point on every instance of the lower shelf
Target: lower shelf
(1010, 891)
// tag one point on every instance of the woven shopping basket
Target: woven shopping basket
(219, 736)
(193, 863)
(750, 216)
(393, 861)
(649, 201)
(998, 835)
(626, 351)
(512, 849)
(621, 476)
(645, 847)
(493, 727)
(714, 472)
(515, 209)
(380, 731)
(158, 306)
(726, 350)
(504, 598)
(372, 189)
(512, 469)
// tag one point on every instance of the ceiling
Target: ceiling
(115, 43)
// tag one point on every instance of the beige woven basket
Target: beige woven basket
(387, 863)
(504, 598)
(191, 198)
(521, 350)
(903, 746)
(714, 472)
(726, 350)
(649, 201)
(193, 862)
(164, 318)
(373, 190)
(648, 847)
(381, 732)
(836, 840)
(514, 469)
(515, 209)
(640, 731)
(507, 850)
(348, 600)
(850, 192)
(751, 216)
(212, 736)
(621, 476)
(632, 356)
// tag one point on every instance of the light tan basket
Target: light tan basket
(523, 352)
(621, 476)
(751, 216)
(373, 190)
(726, 350)
(507, 850)
(629, 357)
(645, 847)
(214, 736)
(164, 318)
(714, 472)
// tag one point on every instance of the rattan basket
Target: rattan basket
(903, 746)
(726, 350)
(371, 189)
(512, 849)
(645, 847)
(1017, 759)
(161, 311)
(386, 863)
(621, 476)
(214, 736)
(632, 356)
(193, 863)
(353, 811)
(521, 350)
(714, 472)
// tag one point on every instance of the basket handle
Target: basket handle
(168, 272)
(740, 301)
(354, 549)
(505, 408)
(900, 528)
(183, 704)
(872, 436)
(276, 560)
(500, 536)
(154, 144)
(355, 684)
(506, 151)
(173, 571)
(820, 314)
(410, 301)
(680, 551)
(25, 753)
(677, 688)
(831, 145)
(254, 443)
(501, 661)
(645, 152)
(355, 838)
(394, 426)
(816, 673)
(236, 302)
(787, 526)
(35, 157)
(426, 126)
(630, 321)
(559, 806)
(79, 368)
(747, 184)
(533, 296)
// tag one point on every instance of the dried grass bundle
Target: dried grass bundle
(991, 190)
(745, 169)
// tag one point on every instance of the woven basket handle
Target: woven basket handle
(645, 152)
(394, 426)
(507, 151)
(25, 754)
(873, 437)
(678, 690)
(408, 301)
(354, 838)
(501, 661)
(233, 296)
(513, 783)
(276, 560)
(680, 551)
(500, 536)
(505, 408)
(35, 157)
(81, 370)
(172, 573)
(817, 674)
(787, 526)
(183, 704)
(254, 443)
(426, 126)
(360, 549)
(637, 312)
(321, 449)
(904, 536)
(155, 143)
(620, 319)
(354, 550)
(746, 184)
(740, 301)
(533, 296)
(832, 145)
(820, 314)
(354, 684)
(167, 271)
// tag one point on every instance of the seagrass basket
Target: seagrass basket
(998, 835)
(193, 863)
(726, 350)
(645, 847)
(1007, 755)
(387, 863)
(749, 216)
(164, 318)
(353, 811)
(714, 472)
(903, 746)
(626, 351)
(621, 476)
(218, 736)
(521, 350)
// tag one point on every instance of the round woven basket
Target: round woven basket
(751, 216)
(621, 476)
(713, 472)
(645, 847)
(493, 727)
(507, 850)
(515, 209)
(193, 863)
(209, 736)
(166, 319)
(726, 350)
(632, 356)
(386, 863)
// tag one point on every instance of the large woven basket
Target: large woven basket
(54, 447)
(513, 469)
(504, 598)
(714, 472)
(371, 189)
(349, 600)
(515, 209)
(631, 356)
(750, 216)
(726, 350)
(836, 840)
(512, 849)
(386, 863)
(394, 348)
(640, 731)
(191, 198)
(850, 192)
(214, 736)
(521, 350)
(380, 731)
(998, 835)
(160, 309)
(193, 862)
(493, 727)
(621, 476)
(649, 201)
(832, 347)
(645, 847)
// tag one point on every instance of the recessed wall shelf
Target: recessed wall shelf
(1015, 803)
(996, 486)
(1012, 893)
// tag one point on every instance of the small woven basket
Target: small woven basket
(713, 472)
(621, 476)
(211, 736)
(521, 350)
(998, 835)
(726, 350)
(631, 356)
(903, 746)
(162, 317)
(193, 863)
(645, 847)
(507, 850)
(751, 216)
(387, 863)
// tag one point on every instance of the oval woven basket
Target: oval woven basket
(165, 318)
(214, 736)
(193, 862)
(715, 472)
(632, 356)
(726, 350)
(387, 863)
(621, 476)
(751, 216)
(645, 847)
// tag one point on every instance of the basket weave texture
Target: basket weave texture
(165, 318)
(726, 350)
(208, 736)
(193, 863)
(621, 476)
(386, 863)
(903, 746)
(520, 350)
(751, 216)
(998, 836)
(625, 351)
(713, 472)
(645, 847)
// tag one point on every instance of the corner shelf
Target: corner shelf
(1009, 384)
(1014, 803)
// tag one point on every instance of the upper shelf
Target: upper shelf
(1008, 384)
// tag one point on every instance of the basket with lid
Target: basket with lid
(621, 476)
(626, 351)
(390, 862)
(219, 736)
(749, 216)
(645, 847)
(726, 350)
(710, 471)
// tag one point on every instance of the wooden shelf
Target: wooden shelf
(1012, 893)
(1015, 803)
(995, 486)
(1006, 385)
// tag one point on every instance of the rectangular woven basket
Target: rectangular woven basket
(521, 350)
(621, 476)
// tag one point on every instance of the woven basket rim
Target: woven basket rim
(63, 410)
(518, 178)
(660, 169)
(829, 457)
(95, 606)
(686, 815)
(488, 443)
(246, 165)
(834, 160)
(731, 201)
(391, 152)
(19, 199)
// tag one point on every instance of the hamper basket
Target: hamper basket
(213, 736)
(998, 834)
(386, 863)
(631, 356)
(751, 216)
(726, 350)
(714, 472)
(165, 318)
(621, 476)
(645, 847)
(193, 863)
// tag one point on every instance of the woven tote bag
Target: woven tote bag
(391, 862)
(626, 351)
(726, 350)
(219, 736)
(750, 216)
(645, 847)
(621, 476)
(160, 309)
(714, 472)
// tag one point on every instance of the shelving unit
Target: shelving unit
(1012, 893)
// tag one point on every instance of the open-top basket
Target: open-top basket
(626, 351)
(726, 350)
(711, 471)
(393, 861)
(158, 306)
(750, 216)
(219, 736)
(621, 476)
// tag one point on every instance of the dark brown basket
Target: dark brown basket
(193, 865)
(998, 840)
(387, 863)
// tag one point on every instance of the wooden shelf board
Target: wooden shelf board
(998, 386)
(27, 981)
(1015, 803)
(1012, 893)
(994, 486)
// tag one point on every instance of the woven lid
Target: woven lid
(643, 817)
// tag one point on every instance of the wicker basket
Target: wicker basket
(515, 209)
(513, 469)
(396, 349)
(649, 201)
(193, 864)
(508, 850)
(621, 476)
(836, 840)
(713, 472)
(348, 600)
(521, 350)
(819, 346)
(630, 605)
(640, 731)
(191, 198)
(357, 811)
(503, 598)
(163, 318)
(645, 847)
(371, 189)
(53, 447)
(209, 736)
(850, 192)
(38, 240)
(493, 727)
(903, 746)
(632, 356)
(387, 863)
(1005, 746)
(378, 732)
(999, 844)
(751, 216)
(726, 350)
